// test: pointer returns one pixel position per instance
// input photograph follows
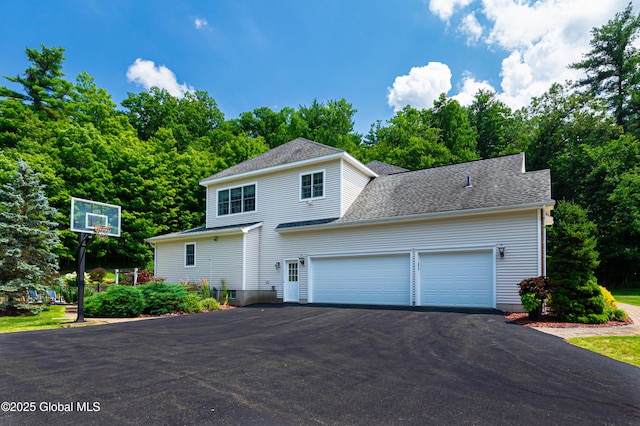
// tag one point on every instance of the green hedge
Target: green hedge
(116, 302)
(162, 298)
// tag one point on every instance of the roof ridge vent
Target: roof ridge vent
(468, 185)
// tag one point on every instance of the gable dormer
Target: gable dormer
(299, 180)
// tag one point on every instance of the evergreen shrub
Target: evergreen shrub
(116, 302)
(576, 296)
(162, 298)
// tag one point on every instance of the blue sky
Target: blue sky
(379, 55)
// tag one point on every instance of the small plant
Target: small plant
(97, 275)
(533, 292)
(530, 302)
(192, 304)
(609, 300)
(116, 302)
(210, 304)
(144, 276)
(204, 289)
(224, 293)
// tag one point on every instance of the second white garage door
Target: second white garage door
(376, 280)
(457, 279)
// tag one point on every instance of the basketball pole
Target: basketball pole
(83, 240)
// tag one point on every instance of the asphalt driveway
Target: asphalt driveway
(312, 365)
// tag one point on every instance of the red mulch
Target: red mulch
(552, 322)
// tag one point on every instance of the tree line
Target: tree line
(148, 154)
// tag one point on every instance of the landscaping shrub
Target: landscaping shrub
(192, 304)
(162, 298)
(97, 275)
(609, 300)
(204, 288)
(210, 304)
(145, 276)
(572, 261)
(116, 302)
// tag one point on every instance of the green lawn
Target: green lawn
(630, 296)
(622, 348)
(52, 317)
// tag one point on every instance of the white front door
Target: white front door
(291, 283)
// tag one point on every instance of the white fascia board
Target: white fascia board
(358, 165)
(419, 217)
(202, 234)
(280, 167)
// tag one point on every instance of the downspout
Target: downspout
(244, 259)
(543, 242)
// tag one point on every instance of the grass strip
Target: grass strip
(622, 348)
(50, 317)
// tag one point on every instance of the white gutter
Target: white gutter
(418, 217)
(177, 236)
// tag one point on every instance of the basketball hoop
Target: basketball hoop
(102, 231)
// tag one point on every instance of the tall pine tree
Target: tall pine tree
(27, 238)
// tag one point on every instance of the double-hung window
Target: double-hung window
(312, 185)
(190, 254)
(240, 199)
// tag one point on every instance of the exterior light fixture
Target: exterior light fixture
(277, 265)
(301, 260)
(215, 238)
(501, 250)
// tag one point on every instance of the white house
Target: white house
(308, 223)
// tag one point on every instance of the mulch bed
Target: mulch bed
(552, 322)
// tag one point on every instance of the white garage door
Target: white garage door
(457, 279)
(376, 280)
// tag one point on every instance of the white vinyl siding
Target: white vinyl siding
(353, 182)
(215, 260)
(517, 231)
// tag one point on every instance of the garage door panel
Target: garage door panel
(380, 280)
(462, 279)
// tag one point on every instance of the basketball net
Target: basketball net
(101, 231)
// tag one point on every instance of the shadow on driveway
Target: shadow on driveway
(290, 364)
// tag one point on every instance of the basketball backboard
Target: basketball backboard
(92, 217)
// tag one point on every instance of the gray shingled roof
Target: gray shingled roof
(495, 182)
(195, 231)
(381, 168)
(299, 149)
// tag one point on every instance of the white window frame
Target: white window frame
(324, 184)
(229, 188)
(194, 255)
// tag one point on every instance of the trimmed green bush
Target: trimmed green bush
(192, 304)
(116, 302)
(210, 304)
(615, 314)
(162, 298)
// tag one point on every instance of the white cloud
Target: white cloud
(420, 87)
(445, 8)
(471, 28)
(147, 74)
(470, 87)
(540, 38)
(200, 23)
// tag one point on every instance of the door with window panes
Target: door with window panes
(291, 283)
